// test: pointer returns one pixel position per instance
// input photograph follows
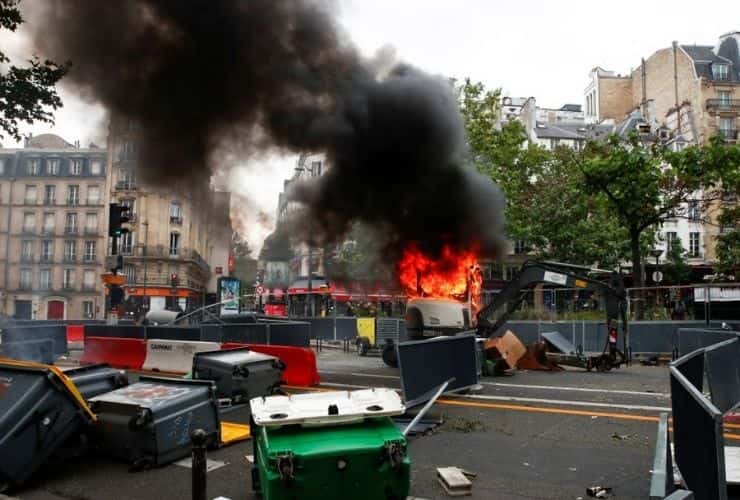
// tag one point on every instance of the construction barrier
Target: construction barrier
(117, 352)
(190, 333)
(75, 333)
(175, 356)
(118, 331)
(300, 362)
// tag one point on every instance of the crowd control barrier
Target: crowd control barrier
(174, 356)
(75, 333)
(300, 362)
(117, 352)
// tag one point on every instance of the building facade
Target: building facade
(688, 93)
(170, 235)
(53, 201)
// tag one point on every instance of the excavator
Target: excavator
(432, 317)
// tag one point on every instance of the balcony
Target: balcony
(89, 259)
(46, 259)
(88, 287)
(161, 251)
(723, 105)
(728, 134)
(69, 259)
(50, 201)
(28, 230)
(29, 201)
(47, 230)
(91, 202)
(71, 230)
(73, 202)
(68, 287)
(175, 220)
(27, 259)
(126, 186)
(91, 231)
(45, 287)
(24, 286)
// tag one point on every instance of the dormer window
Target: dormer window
(720, 71)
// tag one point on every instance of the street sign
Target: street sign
(259, 290)
(657, 276)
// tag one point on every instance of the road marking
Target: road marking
(532, 409)
(518, 386)
(579, 389)
(561, 402)
(568, 402)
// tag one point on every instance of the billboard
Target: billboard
(229, 290)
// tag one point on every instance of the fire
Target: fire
(452, 274)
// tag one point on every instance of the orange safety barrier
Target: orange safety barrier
(116, 351)
(75, 333)
(300, 362)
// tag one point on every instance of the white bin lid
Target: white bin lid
(313, 408)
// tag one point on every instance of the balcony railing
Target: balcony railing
(91, 231)
(126, 186)
(89, 258)
(728, 134)
(88, 287)
(175, 220)
(73, 201)
(29, 201)
(46, 258)
(161, 251)
(723, 104)
(28, 230)
(26, 258)
(70, 258)
(94, 201)
(24, 286)
(47, 230)
(70, 230)
(50, 201)
(68, 286)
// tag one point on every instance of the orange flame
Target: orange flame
(445, 277)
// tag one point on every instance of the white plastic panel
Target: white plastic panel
(313, 408)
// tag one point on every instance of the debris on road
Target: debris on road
(620, 437)
(454, 481)
(507, 348)
(598, 491)
(536, 359)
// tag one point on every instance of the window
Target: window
(45, 279)
(88, 279)
(68, 279)
(720, 71)
(73, 195)
(128, 150)
(26, 251)
(26, 278)
(96, 167)
(694, 245)
(126, 179)
(90, 247)
(91, 223)
(127, 243)
(175, 213)
(88, 309)
(50, 195)
(554, 143)
(726, 123)
(47, 250)
(174, 243)
(70, 223)
(315, 168)
(75, 167)
(693, 211)
(48, 223)
(33, 166)
(52, 166)
(93, 195)
(724, 98)
(520, 247)
(130, 203)
(670, 237)
(29, 222)
(129, 271)
(30, 198)
(70, 251)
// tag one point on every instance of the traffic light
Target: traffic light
(116, 295)
(174, 280)
(118, 215)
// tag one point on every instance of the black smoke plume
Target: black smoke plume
(267, 75)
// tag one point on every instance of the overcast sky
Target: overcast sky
(528, 48)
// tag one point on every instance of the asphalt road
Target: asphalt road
(535, 435)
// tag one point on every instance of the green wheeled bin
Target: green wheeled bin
(361, 456)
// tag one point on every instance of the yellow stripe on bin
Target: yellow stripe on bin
(366, 328)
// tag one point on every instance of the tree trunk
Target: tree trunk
(637, 281)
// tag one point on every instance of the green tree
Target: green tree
(27, 94)
(646, 184)
(676, 270)
(546, 208)
(245, 266)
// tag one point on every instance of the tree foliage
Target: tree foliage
(27, 94)
(546, 208)
(676, 271)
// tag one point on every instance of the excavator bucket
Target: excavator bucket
(535, 358)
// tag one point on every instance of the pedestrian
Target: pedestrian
(612, 339)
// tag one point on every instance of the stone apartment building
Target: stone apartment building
(688, 92)
(170, 233)
(52, 229)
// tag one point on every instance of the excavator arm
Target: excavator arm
(495, 314)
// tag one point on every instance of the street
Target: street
(537, 435)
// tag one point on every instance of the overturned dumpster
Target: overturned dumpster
(40, 408)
